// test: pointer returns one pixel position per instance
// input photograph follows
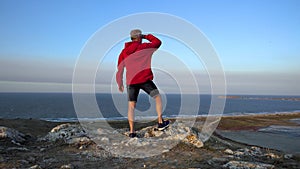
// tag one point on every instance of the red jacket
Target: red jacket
(136, 57)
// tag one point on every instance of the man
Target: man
(136, 58)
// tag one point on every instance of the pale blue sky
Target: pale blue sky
(257, 40)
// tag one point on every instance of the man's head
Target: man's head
(136, 35)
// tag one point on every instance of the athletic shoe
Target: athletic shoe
(163, 125)
(132, 135)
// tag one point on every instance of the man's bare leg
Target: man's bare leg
(131, 107)
(158, 103)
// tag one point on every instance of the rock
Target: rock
(74, 134)
(272, 156)
(175, 132)
(68, 166)
(152, 133)
(194, 140)
(60, 127)
(65, 132)
(35, 167)
(238, 153)
(256, 151)
(228, 151)
(17, 148)
(288, 156)
(253, 151)
(79, 140)
(69, 133)
(105, 139)
(215, 160)
(247, 165)
(165, 151)
(23, 162)
(50, 160)
(230, 156)
(31, 159)
(95, 155)
(82, 147)
(149, 141)
(15, 136)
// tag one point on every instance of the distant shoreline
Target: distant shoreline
(287, 98)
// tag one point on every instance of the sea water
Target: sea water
(60, 106)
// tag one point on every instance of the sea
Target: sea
(59, 107)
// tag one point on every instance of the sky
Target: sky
(257, 42)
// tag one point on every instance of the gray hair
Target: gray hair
(135, 33)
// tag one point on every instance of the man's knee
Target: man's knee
(154, 93)
(131, 105)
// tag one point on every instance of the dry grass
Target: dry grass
(255, 122)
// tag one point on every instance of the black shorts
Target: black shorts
(133, 90)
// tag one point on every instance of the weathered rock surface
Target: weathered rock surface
(68, 166)
(35, 167)
(72, 134)
(252, 152)
(149, 141)
(247, 165)
(15, 136)
(65, 132)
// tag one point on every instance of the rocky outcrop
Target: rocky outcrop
(118, 142)
(70, 134)
(74, 133)
(65, 132)
(13, 135)
(177, 132)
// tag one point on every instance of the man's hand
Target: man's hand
(121, 88)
